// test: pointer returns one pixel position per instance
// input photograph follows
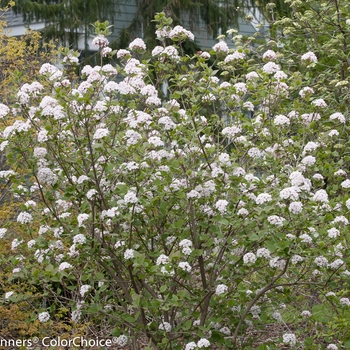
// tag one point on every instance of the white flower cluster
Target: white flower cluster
(221, 289)
(263, 198)
(221, 205)
(137, 44)
(221, 46)
(309, 57)
(162, 259)
(165, 326)
(249, 258)
(186, 246)
(43, 317)
(181, 33)
(84, 289)
(185, 266)
(100, 41)
(289, 339)
(270, 55)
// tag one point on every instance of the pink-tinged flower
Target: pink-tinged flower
(338, 116)
(100, 41)
(105, 51)
(271, 67)
(180, 32)
(306, 91)
(221, 47)
(319, 103)
(281, 120)
(270, 55)
(236, 56)
(137, 44)
(309, 57)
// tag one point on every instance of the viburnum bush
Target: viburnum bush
(183, 200)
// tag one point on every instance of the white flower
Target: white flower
(180, 32)
(221, 289)
(290, 193)
(295, 207)
(332, 347)
(79, 238)
(340, 219)
(183, 265)
(296, 259)
(84, 289)
(311, 146)
(271, 68)
(270, 55)
(221, 205)
(321, 261)
(249, 258)
(191, 346)
(91, 193)
(339, 116)
(122, 340)
(345, 184)
(289, 339)
(333, 232)
(155, 141)
(129, 254)
(319, 103)
(243, 212)
(81, 219)
(333, 133)
(276, 220)
(263, 253)
(320, 196)
(165, 326)
(185, 243)
(100, 41)
(3, 232)
(220, 47)
(344, 301)
(306, 91)
(137, 44)
(43, 317)
(252, 76)
(309, 57)
(231, 131)
(47, 176)
(225, 330)
(308, 160)
(157, 50)
(40, 152)
(336, 264)
(277, 263)
(236, 56)
(8, 295)
(100, 133)
(130, 197)
(263, 198)
(281, 120)
(162, 259)
(203, 343)
(241, 88)
(24, 218)
(306, 313)
(63, 266)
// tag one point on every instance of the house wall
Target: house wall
(125, 13)
(127, 9)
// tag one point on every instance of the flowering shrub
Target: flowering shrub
(178, 216)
